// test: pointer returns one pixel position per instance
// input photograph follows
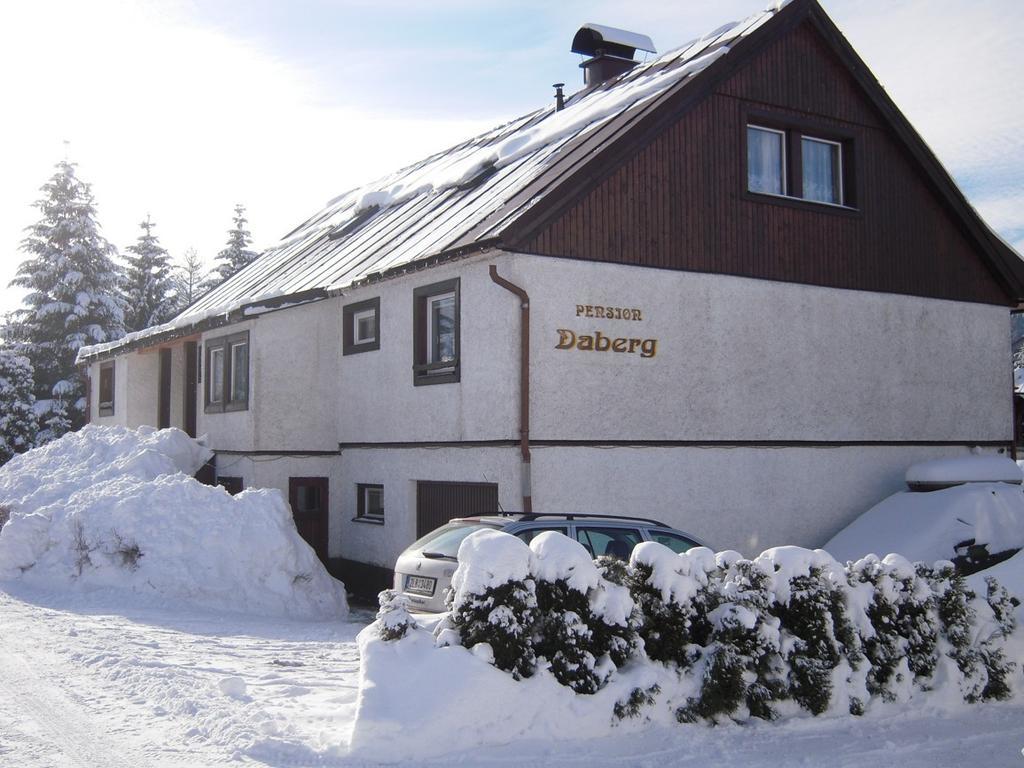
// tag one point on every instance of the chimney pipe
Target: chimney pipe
(610, 50)
(559, 96)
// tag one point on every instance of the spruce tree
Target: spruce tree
(236, 254)
(149, 286)
(18, 424)
(72, 300)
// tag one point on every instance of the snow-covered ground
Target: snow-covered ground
(87, 681)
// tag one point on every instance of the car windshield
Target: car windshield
(445, 540)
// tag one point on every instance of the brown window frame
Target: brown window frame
(349, 345)
(794, 130)
(362, 515)
(224, 344)
(107, 370)
(424, 371)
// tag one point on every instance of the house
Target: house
(730, 288)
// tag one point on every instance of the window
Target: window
(613, 542)
(822, 164)
(370, 503)
(107, 389)
(673, 541)
(361, 327)
(766, 160)
(791, 162)
(232, 485)
(436, 329)
(227, 373)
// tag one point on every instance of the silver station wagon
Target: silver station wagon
(424, 571)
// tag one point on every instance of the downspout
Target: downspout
(524, 383)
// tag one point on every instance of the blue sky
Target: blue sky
(180, 108)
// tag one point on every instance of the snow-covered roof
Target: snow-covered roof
(461, 197)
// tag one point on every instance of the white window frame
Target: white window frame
(216, 394)
(365, 491)
(784, 160)
(357, 338)
(431, 301)
(838, 169)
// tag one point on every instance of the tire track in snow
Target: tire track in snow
(41, 712)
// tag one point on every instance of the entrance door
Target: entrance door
(163, 415)
(308, 499)
(191, 387)
(437, 503)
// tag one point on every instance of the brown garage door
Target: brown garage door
(437, 503)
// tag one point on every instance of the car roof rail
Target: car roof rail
(528, 516)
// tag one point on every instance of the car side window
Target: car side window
(616, 542)
(531, 533)
(673, 541)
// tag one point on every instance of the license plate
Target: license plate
(421, 585)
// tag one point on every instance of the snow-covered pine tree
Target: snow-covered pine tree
(148, 287)
(993, 656)
(235, 255)
(72, 298)
(958, 618)
(884, 649)
(18, 424)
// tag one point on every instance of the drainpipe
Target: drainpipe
(524, 383)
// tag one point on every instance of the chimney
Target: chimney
(610, 50)
(559, 96)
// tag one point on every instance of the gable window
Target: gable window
(822, 164)
(800, 163)
(370, 503)
(436, 333)
(227, 373)
(361, 326)
(106, 389)
(766, 160)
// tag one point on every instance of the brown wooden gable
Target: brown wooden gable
(680, 201)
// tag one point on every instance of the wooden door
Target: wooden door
(191, 387)
(437, 503)
(309, 501)
(163, 416)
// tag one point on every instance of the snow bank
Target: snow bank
(108, 507)
(418, 701)
(942, 473)
(927, 526)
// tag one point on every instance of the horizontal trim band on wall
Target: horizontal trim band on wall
(275, 453)
(672, 444)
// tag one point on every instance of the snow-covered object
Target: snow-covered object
(488, 559)
(676, 577)
(556, 557)
(109, 507)
(943, 473)
(927, 526)
(786, 563)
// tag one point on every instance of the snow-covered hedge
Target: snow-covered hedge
(117, 508)
(696, 637)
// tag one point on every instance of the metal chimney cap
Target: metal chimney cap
(592, 38)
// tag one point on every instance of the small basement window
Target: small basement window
(370, 502)
(436, 333)
(361, 326)
(106, 403)
(227, 373)
(788, 161)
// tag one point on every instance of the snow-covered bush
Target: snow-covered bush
(742, 670)
(493, 601)
(393, 618)
(583, 621)
(674, 595)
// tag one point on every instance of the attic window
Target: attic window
(801, 163)
(360, 326)
(354, 223)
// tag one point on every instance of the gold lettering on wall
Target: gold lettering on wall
(598, 342)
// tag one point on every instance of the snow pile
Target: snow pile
(704, 639)
(929, 526)
(942, 473)
(108, 507)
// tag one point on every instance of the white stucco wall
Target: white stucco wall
(293, 383)
(136, 382)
